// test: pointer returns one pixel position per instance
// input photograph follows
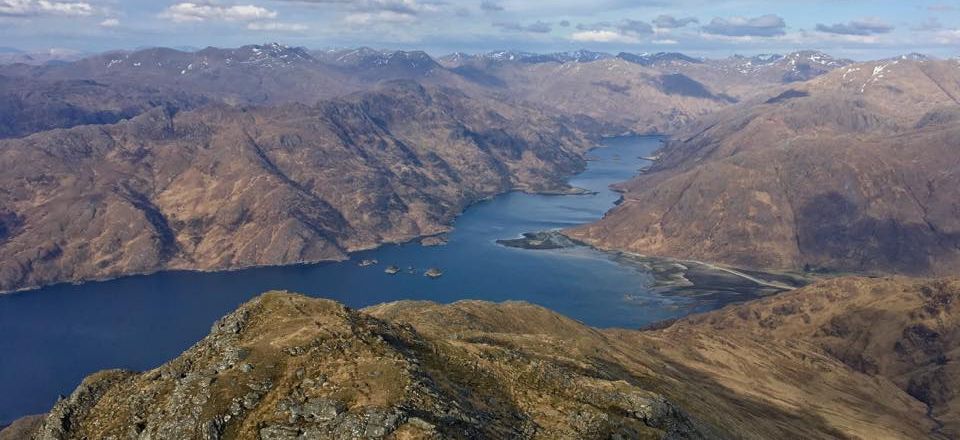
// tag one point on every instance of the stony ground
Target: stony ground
(804, 364)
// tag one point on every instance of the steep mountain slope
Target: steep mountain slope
(915, 345)
(858, 170)
(149, 200)
(225, 187)
(30, 106)
(808, 364)
(22, 428)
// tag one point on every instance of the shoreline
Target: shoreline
(349, 254)
(673, 275)
(562, 189)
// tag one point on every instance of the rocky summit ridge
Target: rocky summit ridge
(805, 364)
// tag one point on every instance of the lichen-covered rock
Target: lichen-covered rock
(284, 366)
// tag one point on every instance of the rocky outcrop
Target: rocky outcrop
(284, 367)
(22, 428)
(227, 187)
(806, 364)
(853, 171)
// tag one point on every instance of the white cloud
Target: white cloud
(277, 26)
(948, 36)
(389, 17)
(371, 12)
(866, 26)
(671, 22)
(44, 7)
(411, 7)
(374, 12)
(603, 36)
(817, 39)
(65, 8)
(538, 27)
(110, 22)
(195, 12)
(490, 6)
(769, 25)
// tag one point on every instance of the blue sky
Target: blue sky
(852, 28)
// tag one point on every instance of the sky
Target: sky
(850, 28)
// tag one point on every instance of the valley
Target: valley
(155, 135)
(138, 322)
(507, 244)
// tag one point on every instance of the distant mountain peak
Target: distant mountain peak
(9, 55)
(915, 56)
(659, 58)
(272, 52)
(508, 55)
(818, 58)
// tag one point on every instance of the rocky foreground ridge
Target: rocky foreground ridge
(806, 364)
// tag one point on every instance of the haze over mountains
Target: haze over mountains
(10, 55)
(112, 86)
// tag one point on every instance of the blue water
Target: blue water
(51, 338)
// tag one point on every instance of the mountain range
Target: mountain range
(117, 85)
(141, 144)
(156, 159)
(760, 146)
